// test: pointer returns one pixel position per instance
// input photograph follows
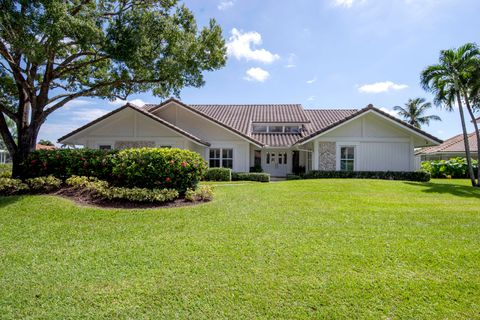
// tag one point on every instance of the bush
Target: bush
(256, 168)
(9, 186)
(384, 175)
(155, 168)
(102, 190)
(293, 177)
(250, 176)
(64, 163)
(218, 174)
(204, 193)
(44, 184)
(5, 170)
(453, 168)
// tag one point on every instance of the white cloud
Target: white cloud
(120, 102)
(88, 114)
(390, 112)
(379, 87)
(311, 98)
(240, 45)
(257, 74)
(53, 131)
(312, 80)
(225, 4)
(343, 3)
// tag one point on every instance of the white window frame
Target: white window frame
(221, 156)
(355, 146)
(268, 125)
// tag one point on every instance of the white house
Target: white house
(281, 138)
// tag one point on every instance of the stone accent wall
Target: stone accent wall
(134, 144)
(327, 156)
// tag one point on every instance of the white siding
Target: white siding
(383, 156)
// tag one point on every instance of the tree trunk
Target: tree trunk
(477, 134)
(26, 144)
(465, 140)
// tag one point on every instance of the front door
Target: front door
(276, 163)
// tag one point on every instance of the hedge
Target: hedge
(250, 176)
(64, 163)
(218, 174)
(453, 168)
(168, 168)
(140, 168)
(5, 170)
(383, 175)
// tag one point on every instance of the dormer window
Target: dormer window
(275, 128)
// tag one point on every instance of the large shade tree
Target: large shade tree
(52, 52)
(414, 112)
(450, 81)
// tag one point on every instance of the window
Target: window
(259, 128)
(292, 129)
(347, 158)
(275, 129)
(257, 161)
(227, 158)
(221, 158)
(166, 147)
(105, 147)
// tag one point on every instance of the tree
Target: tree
(52, 52)
(449, 81)
(46, 142)
(414, 111)
(13, 131)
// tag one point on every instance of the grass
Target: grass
(335, 249)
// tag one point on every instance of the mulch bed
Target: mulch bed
(84, 198)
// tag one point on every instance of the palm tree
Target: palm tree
(414, 111)
(448, 81)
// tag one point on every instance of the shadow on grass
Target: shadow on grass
(445, 188)
(6, 200)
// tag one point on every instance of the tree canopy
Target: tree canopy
(52, 52)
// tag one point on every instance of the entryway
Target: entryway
(276, 162)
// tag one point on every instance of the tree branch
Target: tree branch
(6, 134)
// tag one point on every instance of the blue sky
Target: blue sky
(320, 53)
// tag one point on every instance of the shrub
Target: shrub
(203, 193)
(293, 177)
(256, 168)
(384, 175)
(250, 176)
(102, 190)
(298, 170)
(156, 168)
(453, 168)
(44, 184)
(9, 186)
(218, 174)
(64, 163)
(5, 170)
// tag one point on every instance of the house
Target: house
(281, 138)
(450, 148)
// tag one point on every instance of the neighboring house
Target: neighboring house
(281, 138)
(451, 148)
(44, 147)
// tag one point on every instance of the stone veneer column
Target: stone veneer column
(327, 156)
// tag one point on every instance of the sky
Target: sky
(319, 53)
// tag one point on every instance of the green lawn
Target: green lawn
(336, 249)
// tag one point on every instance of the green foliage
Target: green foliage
(383, 175)
(169, 168)
(9, 186)
(256, 168)
(218, 174)
(293, 177)
(203, 193)
(5, 170)
(44, 184)
(102, 190)
(250, 176)
(414, 112)
(453, 168)
(64, 163)
(45, 142)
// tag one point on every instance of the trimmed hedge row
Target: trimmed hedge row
(383, 175)
(250, 176)
(218, 174)
(453, 168)
(152, 168)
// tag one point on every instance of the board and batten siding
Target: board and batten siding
(379, 145)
